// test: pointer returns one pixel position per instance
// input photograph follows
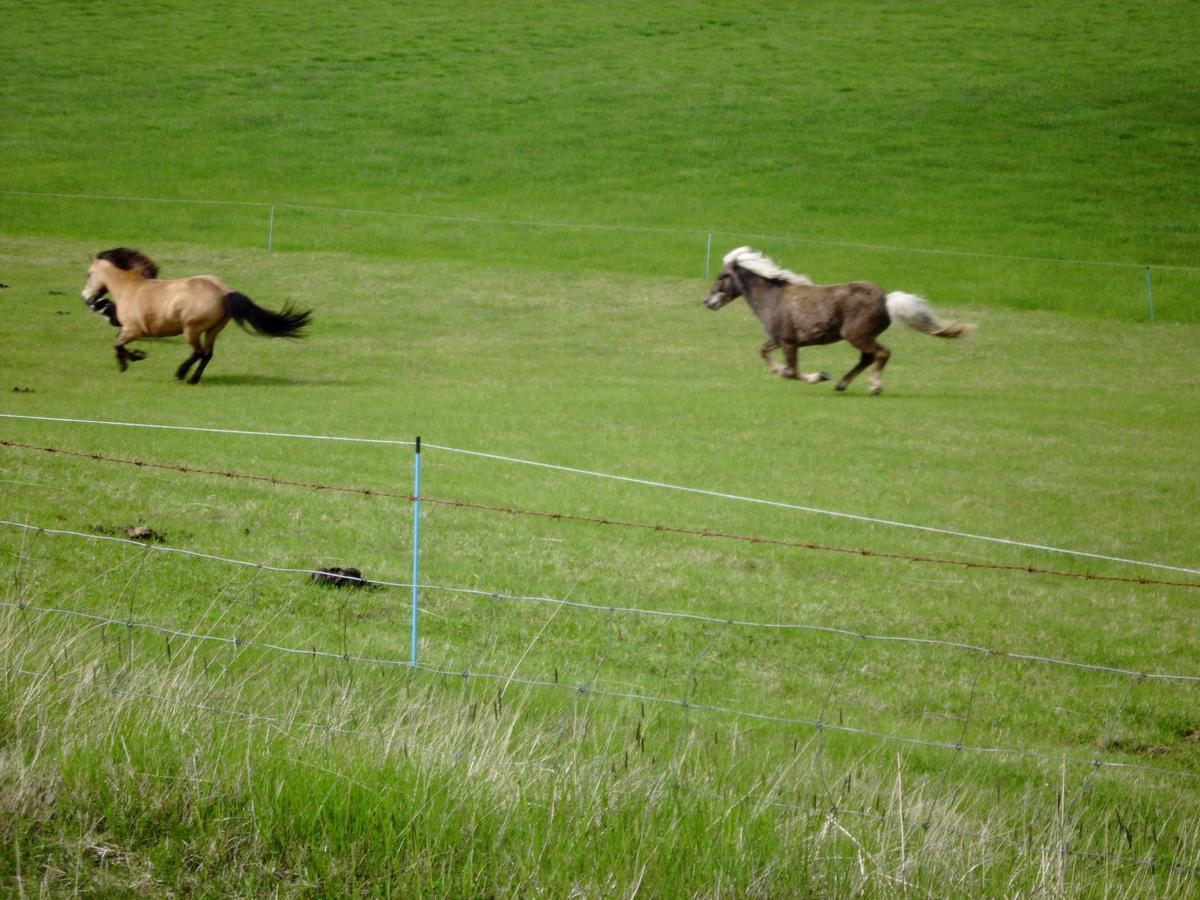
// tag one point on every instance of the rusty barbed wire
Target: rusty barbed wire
(605, 520)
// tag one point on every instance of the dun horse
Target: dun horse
(142, 305)
(797, 313)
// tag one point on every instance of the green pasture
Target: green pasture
(1061, 134)
(1033, 430)
(500, 215)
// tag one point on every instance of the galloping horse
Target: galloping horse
(142, 305)
(797, 313)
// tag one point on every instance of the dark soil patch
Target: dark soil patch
(337, 577)
(133, 532)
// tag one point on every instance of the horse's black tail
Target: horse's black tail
(245, 311)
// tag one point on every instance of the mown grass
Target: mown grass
(1034, 430)
(1063, 132)
(1027, 146)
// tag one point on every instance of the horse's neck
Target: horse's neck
(121, 283)
(760, 293)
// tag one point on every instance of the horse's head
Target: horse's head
(744, 268)
(727, 287)
(95, 289)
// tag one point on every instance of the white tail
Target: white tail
(914, 311)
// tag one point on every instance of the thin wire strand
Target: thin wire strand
(929, 529)
(812, 811)
(777, 504)
(605, 520)
(630, 610)
(605, 227)
(617, 695)
(275, 434)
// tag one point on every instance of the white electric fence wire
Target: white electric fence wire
(819, 511)
(629, 610)
(587, 690)
(776, 504)
(275, 434)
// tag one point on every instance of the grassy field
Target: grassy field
(1064, 132)
(962, 439)
(186, 724)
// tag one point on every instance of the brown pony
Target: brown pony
(797, 313)
(142, 305)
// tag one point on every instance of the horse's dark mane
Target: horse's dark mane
(130, 261)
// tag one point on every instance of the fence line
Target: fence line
(822, 512)
(813, 811)
(650, 483)
(600, 520)
(805, 545)
(632, 229)
(641, 611)
(275, 434)
(587, 689)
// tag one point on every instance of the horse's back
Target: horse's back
(821, 313)
(165, 307)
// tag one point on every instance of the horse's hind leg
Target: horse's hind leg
(193, 338)
(865, 360)
(207, 355)
(181, 372)
(872, 351)
(792, 371)
(210, 338)
(882, 355)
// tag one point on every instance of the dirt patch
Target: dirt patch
(1142, 749)
(133, 532)
(337, 577)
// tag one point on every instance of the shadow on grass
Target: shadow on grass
(270, 381)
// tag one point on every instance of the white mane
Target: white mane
(763, 265)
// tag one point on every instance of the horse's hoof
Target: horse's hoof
(876, 391)
(823, 376)
(136, 355)
(841, 388)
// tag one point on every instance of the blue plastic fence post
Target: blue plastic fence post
(1150, 293)
(416, 545)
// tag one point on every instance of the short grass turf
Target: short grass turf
(1065, 132)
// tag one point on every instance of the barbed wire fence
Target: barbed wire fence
(272, 214)
(819, 726)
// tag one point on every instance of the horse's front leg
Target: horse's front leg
(767, 349)
(124, 356)
(793, 371)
